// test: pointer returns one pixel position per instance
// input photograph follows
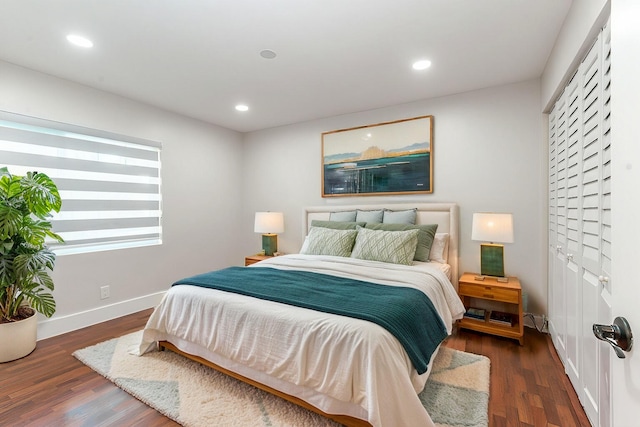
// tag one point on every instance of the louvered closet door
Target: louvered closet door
(572, 255)
(605, 225)
(580, 229)
(595, 202)
(556, 310)
(558, 295)
(605, 312)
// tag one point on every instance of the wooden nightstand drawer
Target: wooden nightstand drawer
(489, 292)
(252, 259)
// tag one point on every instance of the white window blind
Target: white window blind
(110, 184)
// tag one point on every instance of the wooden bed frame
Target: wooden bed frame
(342, 419)
(443, 214)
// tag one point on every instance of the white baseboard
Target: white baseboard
(48, 328)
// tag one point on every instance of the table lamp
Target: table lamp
(269, 224)
(495, 228)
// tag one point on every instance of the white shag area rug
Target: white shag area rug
(456, 395)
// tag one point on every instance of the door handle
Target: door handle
(618, 335)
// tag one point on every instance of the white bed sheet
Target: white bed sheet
(445, 268)
(338, 364)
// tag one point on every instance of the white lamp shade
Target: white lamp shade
(492, 227)
(269, 222)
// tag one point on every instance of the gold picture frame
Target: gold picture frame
(381, 159)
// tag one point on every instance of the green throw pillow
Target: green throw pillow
(327, 241)
(397, 247)
(425, 236)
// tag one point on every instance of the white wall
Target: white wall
(488, 156)
(580, 29)
(201, 183)
(487, 152)
(625, 202)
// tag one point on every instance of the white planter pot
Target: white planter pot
(18, 339)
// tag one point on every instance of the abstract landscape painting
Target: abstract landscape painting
(385, 158)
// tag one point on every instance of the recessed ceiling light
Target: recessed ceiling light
(242, 107)
(79, 40)
(422, 64)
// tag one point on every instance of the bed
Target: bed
(349, 369)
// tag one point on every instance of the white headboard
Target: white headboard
(443, 214)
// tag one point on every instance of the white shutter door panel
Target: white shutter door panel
(605, 235)
(552, 177)
(561, 173)
(596, 195)
(561, 196)
(574, 169)
(605, 312)
(572, 279)
(557, 197)
(590, 350)
(589, 73)
(555, 311)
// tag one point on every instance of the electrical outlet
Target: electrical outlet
(104, 292)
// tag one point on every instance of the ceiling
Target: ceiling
(200, 58)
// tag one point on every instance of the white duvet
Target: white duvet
(337, 364)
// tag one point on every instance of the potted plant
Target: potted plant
(25, 260)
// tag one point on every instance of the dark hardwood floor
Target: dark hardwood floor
(528, 383)
(51, 388)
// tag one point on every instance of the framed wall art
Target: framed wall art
(385, 158)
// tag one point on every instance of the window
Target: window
(109, 184)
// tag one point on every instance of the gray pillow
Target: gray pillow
(397, 247)
(348, 216)
(337, 225)
(369, 216)
(399, 217)
(425, 236)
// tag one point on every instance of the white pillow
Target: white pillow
(439, 248)
(327, 241)
(397, 247)
(305, 245)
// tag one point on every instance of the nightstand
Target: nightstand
(474, 293)
(252, 259)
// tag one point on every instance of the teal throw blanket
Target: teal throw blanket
(406, 313)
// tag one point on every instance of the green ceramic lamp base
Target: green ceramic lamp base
(269, 244)
(492, 260)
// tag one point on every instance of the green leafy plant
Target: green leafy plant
(25, 260)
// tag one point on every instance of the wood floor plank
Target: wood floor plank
(52, 388)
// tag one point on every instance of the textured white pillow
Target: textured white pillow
(328, 241)
(397, 247)
(439, 248)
